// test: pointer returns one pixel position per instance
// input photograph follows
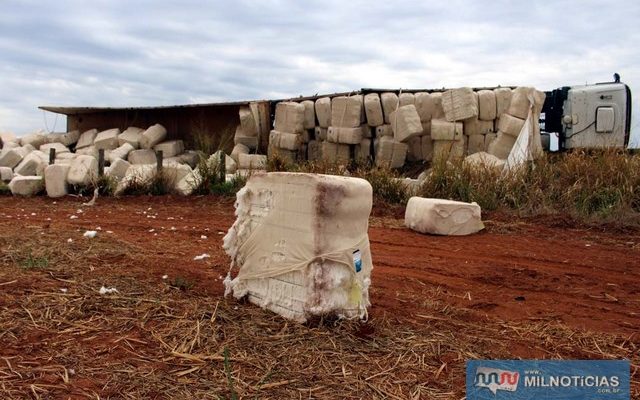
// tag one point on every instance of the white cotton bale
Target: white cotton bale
(284, 140)
(475, 144)
(26, 185)
(510, 125)
(373, 109)
(89, 151)
(279, 211)
(107, 140)
(170, 148)
(445, 130)
(390, 152)
(59, 148)
(459, 104)
(503, 100)
(132, 136)
(363, 150)
(55, 180)
(438, 111)
(346, 111)
(323, 111)
(248, 121)
(32, 164)
(237, 150)
(118, 168)
(289, 117)
(36, 139)
(142, 156)
(485, 160)
(309, 114)
(488, 138)
(487, 105)
(501, 146)
(427, 147)
(152, 136)
(405, 123)
(122, 152)
(86, 139)
(384, 130)
(54, 137)
(252, 161)
(70, 138)
(82, 170)
(389, 102)
(425, 105)
(345, 135)
(404, 99)
(335, 153)
(11, 157)
(443, 217)
(6, 174)
(414, 149)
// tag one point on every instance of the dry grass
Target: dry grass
(152, 340)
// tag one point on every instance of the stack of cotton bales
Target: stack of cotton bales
(512, 109)
(478, 128)
(290, 129)
(346, 129)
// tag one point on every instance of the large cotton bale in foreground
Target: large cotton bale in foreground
(300, 244)
(26, 185)
(442, 217)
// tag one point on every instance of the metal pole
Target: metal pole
(100, 162)
(159, 161)
(52, 156)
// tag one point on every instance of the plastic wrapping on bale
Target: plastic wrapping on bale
(487, 105)
(118, 169)
(323, 111)
(33, 164)
(300, 245)
(121, 152)
(519, 104)
(459, 104)
(389, 104)
(510, 125)
(346, 111)
(373, 109)
(485, 160)
(289, 117)
(405, 123)
(443, 217)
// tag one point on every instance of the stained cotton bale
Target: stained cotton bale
(334, 152)
(309, 114)
(389, 102)
(487, 105)
(323, 111)
(405, 99)
(55, 180)
(248, 121)
(132, 136)
(503, 100)
(425, 106)
(405, 123)
(170, 148)
(501, 146)
(118, 168)
(289, 117)
(510, 125)
(82, 170)
(252, 161)
(142, 156)
(26, 185)
(445, 130)
(120, 153)
(284, 140)
(459, 104)
(345, 135)
(152, 136)
(373, 109)
(32, 164)
(442, 217)
(390, 152)
(6, 174)
(11, 157)
(107, 140)
(346, 111)
(86, 138)
(475, 144)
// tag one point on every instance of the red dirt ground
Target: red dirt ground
(587, 278)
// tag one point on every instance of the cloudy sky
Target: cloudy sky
(130, 53)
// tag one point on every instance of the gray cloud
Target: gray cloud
(116, 53)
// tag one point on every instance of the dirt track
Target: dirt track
(514, 271)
